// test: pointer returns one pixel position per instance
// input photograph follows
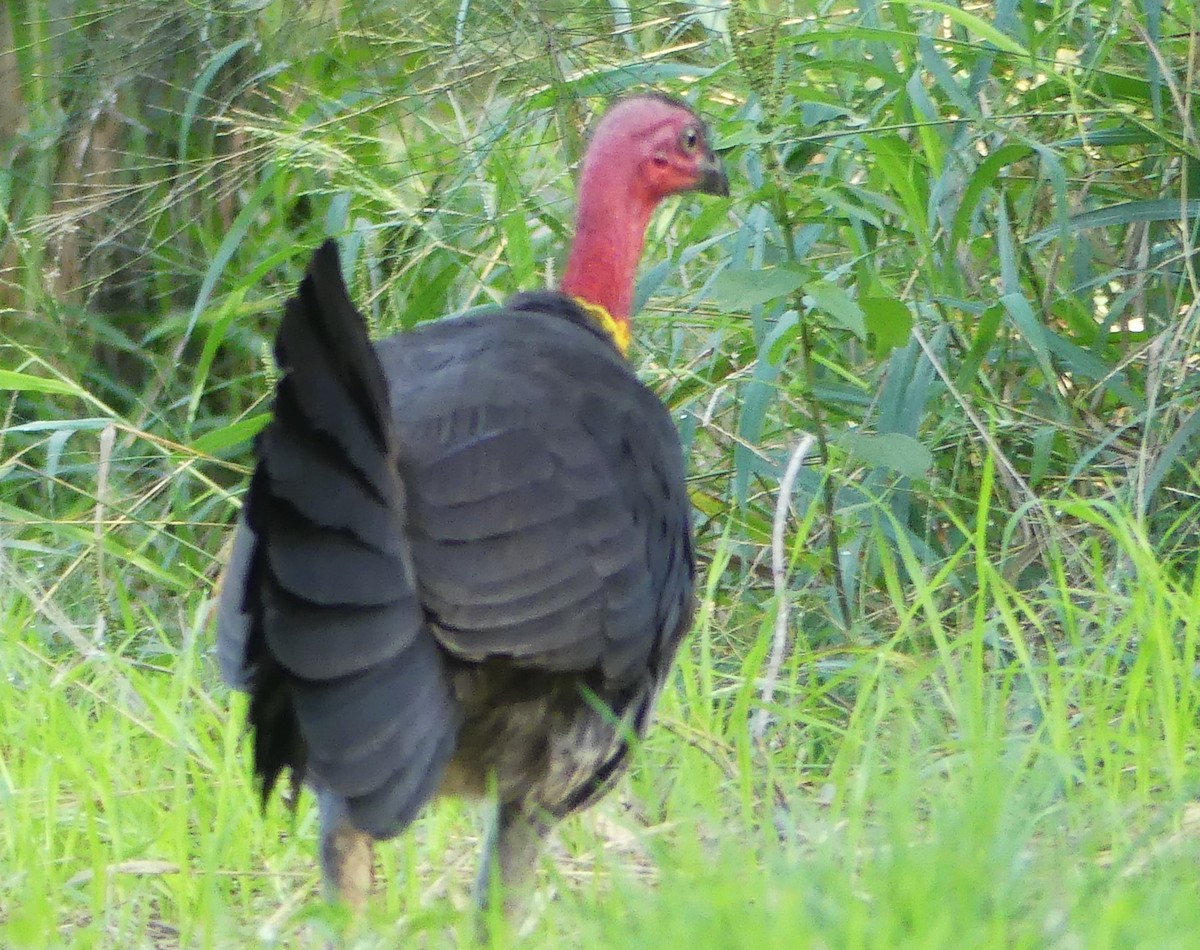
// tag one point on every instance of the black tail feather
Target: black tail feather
(343, 667)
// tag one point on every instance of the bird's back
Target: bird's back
(537, 522)
(548, 520)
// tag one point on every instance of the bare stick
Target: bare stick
(779, 574)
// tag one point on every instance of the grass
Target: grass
(981, 792)
(960, 255)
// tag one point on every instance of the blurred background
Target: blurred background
(959, 253)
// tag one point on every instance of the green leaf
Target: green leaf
(1043, 448)
(23, 382)
(197, 92)
(1106, 137)
(1182, 438)
(743, 287)
(229, 244)
(892, 450)
(747, 134)
(889, 320)
(906, 174)
(1154, 209)
(518, 246)
(220, 439)
(986, 329)
(212, 342)
(1031, 328)
(969, 21)
(785, 331)
(756, 399)
(831, 300)
(984, 176)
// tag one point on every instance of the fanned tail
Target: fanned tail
(346, 683)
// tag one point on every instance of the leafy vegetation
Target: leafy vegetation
(942, 689)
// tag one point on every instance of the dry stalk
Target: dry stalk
(779, 574)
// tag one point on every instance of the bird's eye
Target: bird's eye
(689, 139)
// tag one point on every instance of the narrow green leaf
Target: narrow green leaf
(741, 288)
(905, 172)
(518, 247)
(756, 399)
(1153, 209)
(1031, 328)
(831, 300)
(1006, 252)
(944, 76)
(1043, 447)
(54, 450)
(212, 342)
(1180, 440)
(983, 178)
(23, 382)
(229, 245)
(220, 439)
(75, 425)
(889, 320)
(1104, 138)
(985, 335)
(785, 331)
(196, 93)
(969, 21)
(892, 450)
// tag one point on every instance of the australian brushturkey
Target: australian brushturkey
(464, 562)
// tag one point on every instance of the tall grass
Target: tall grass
(959, 255)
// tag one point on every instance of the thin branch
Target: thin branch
(779, 574)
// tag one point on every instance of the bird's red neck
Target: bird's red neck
(610, 228)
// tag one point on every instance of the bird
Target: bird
(464, 563)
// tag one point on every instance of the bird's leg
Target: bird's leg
(347, 854)
(510, 855)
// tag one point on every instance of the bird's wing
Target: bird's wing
(548, 514)
(320, 619)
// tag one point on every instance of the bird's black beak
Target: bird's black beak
(713, 180)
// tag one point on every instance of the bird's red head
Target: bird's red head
(656, 146)
(645, 148)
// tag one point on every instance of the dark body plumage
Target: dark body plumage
(465, 559)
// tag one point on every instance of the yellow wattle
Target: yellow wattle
(617, 330)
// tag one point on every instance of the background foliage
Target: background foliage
(942, 688)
